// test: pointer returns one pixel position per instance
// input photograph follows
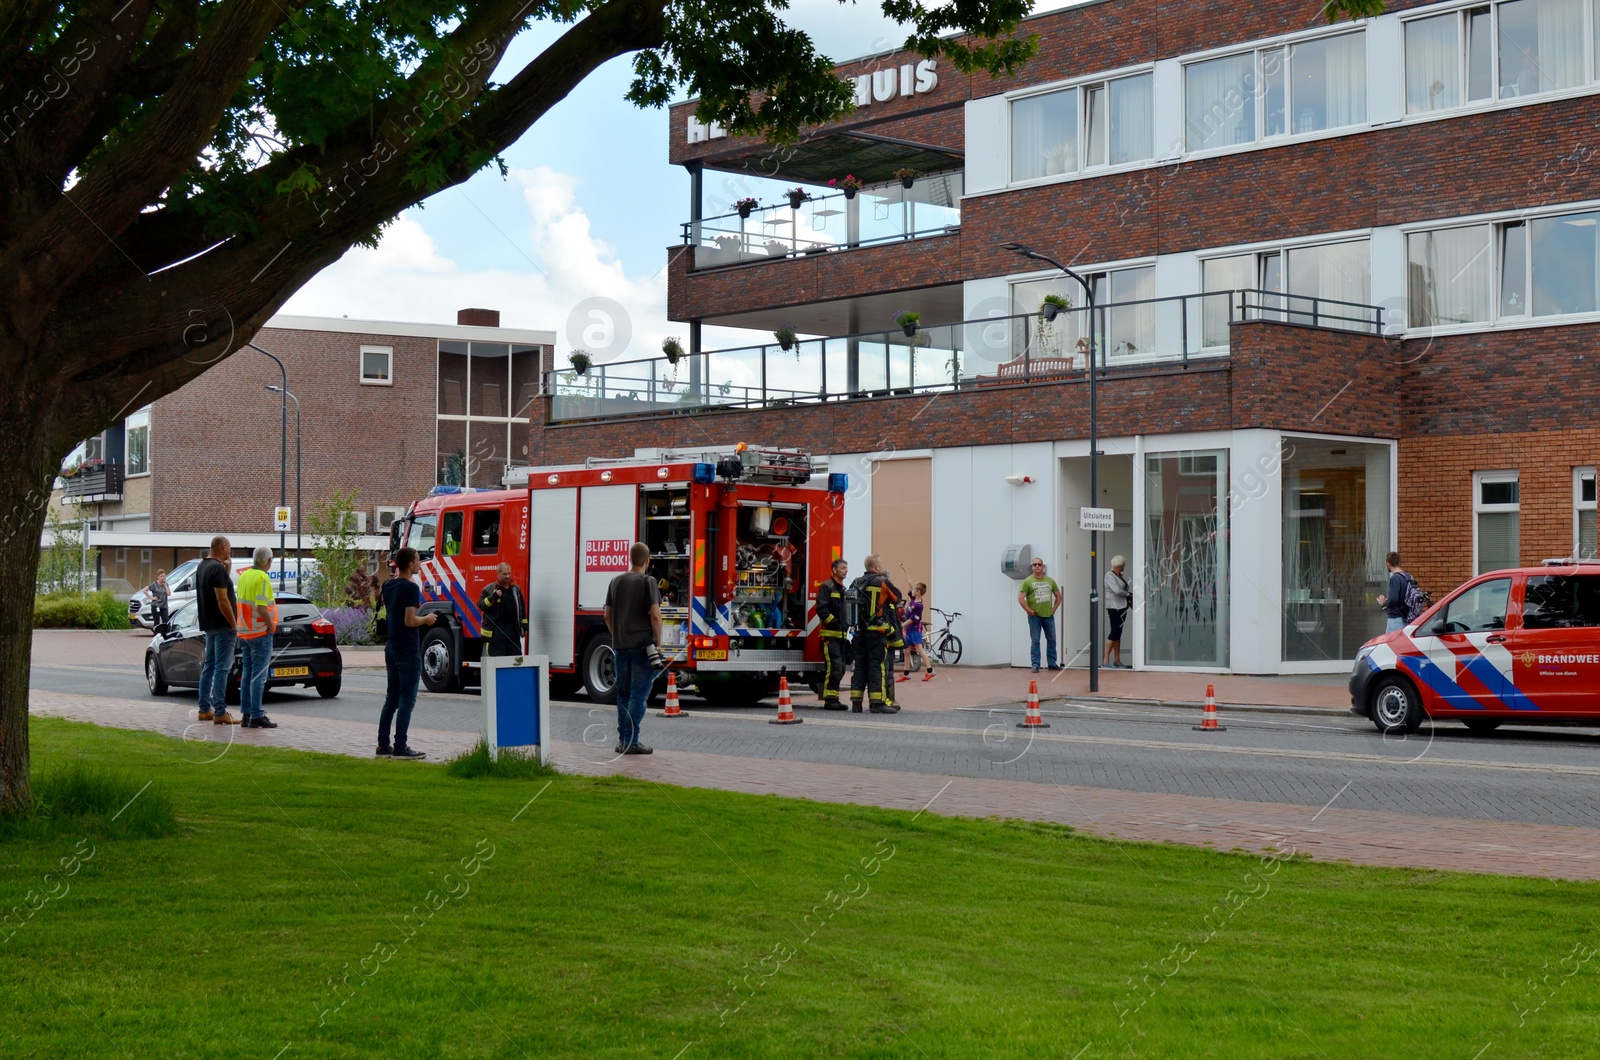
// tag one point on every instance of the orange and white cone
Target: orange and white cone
(672, 710)
(785, 708)
(1208, 720)
(1033, 720)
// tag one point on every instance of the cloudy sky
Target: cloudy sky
(583, 220)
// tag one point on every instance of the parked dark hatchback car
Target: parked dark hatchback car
(303, 650)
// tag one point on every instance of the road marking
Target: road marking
(1204, 748)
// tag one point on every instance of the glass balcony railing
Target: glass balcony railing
(998, 351)
(871, 217)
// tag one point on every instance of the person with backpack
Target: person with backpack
(879, 631)
(1404, 600)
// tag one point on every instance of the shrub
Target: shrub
(507, 765)
(351, 625)
(66, 611)
(113, 612)
(78, 800)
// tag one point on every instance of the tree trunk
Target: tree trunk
(24, 500)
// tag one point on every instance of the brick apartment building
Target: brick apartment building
(1348, 290)
(387, 410)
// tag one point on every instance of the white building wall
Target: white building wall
(988, 159)
(1389, 273)
(976, 514)
(1166, 84)
(1255, 569)
(857, 506)
(1386, 90)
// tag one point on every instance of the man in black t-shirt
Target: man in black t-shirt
(633, 615)
(402, 655)
(218, 610)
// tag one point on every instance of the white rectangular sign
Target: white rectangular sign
(280, 519)
(1103, 519)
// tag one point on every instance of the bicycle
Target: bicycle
(945, 645)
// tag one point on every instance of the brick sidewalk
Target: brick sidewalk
(1330, 834)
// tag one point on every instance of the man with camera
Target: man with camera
(633, 616)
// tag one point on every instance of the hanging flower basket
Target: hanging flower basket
(672, 349)
(1053, 305)
(797, 196)
(745, 207)
(908, 323)
(906, 177)
(848, 184)
(580, 362)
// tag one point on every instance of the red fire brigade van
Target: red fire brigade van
(739, 540)
(1515, 647)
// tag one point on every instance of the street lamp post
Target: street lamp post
(299, 576)
(1094, 463)
(283, 439)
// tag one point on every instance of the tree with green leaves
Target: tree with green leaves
(333, 543)
(173, 170)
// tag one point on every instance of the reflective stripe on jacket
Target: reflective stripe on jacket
(830, 608)
(258, 608)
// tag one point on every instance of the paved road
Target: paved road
(1542, 776)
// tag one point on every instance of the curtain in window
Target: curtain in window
(1566, 264)
(1219, 278)
(1044, 135)
(1132, 328)
(1329, 83)
(1133, 115)
(1449, 276)
(1220, 102)
(1541, 46)
(1433, 63)
(1340, 271)
(1499, 540)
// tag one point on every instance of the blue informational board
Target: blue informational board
(515, 695)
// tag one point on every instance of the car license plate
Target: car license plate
(291, 671)
(709, 653)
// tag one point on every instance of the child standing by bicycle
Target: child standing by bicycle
(912, 621)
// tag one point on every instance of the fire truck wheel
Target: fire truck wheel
(439, 672)
(600, 669)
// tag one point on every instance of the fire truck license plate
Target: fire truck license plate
(291, 671)
(711, 653)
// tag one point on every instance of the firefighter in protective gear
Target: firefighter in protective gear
(880, 628)
(505, 614)
(833, 623)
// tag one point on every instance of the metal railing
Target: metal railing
(872, 217)
(103, 481)
(998, 351)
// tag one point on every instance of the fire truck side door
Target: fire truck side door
(553, 574)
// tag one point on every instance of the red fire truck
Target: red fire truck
(739, 540)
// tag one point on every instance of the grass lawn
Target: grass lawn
(315, 906)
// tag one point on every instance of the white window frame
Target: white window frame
(361, 366)
(1498, 223)
(1258, 51)
(1479, 478)
(1082, 86)
(138, 421)
(1579, 506)
(1591, 61)
(1261, 251)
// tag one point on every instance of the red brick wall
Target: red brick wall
(810, 278)
(215, 444)
(1314, 380)
(1436, 496)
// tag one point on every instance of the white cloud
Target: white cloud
(579, 289)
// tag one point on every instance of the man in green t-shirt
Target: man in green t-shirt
(1040, 596)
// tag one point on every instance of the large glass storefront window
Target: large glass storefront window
(1335, 536)
(1186, 559)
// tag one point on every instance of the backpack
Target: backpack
(1416, 600)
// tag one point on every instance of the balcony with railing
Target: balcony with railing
(92, 483)
(844, 220)
(1024, 349)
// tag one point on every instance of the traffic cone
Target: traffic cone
(1033, 719)
(785, 708)
(672, 710)
(1208, 720)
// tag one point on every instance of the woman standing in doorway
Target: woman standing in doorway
(1119, 598)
